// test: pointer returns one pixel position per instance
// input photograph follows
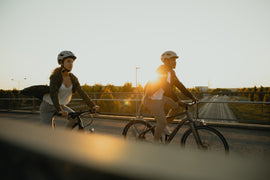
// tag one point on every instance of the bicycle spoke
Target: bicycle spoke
(211, 140)
(135, 129)
(87, 119)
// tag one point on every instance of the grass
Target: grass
(251, 113)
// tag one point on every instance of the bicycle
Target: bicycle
(198, 135)
(83, 119)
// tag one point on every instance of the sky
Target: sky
(221, 43)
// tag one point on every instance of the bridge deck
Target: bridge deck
(31, 151)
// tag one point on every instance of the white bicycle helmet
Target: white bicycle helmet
(167, 55)
(65, 54)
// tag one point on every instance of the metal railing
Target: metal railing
(32, 105)
(264, 109)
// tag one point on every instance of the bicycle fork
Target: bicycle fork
(196, 135)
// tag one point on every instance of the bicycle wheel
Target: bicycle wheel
(212, 140)
(138, 130)
(87, 119)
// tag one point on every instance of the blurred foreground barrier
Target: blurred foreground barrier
(30, 151)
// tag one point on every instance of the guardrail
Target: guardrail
(32, 104)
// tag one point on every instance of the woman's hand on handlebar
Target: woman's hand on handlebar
(96, 108)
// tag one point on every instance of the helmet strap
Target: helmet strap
(64, 69)
(167, 64)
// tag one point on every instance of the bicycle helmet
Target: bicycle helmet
(63, 55)
(167, 55)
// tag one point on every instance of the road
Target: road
(213, 111)
(244, 142)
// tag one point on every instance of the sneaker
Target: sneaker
(167, 131)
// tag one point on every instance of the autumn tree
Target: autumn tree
(266, 98)
(261, 93)
(108, 106)
(127, 87)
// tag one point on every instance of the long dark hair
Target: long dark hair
(56, 70)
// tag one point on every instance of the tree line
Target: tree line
(122, 98)
(118, 98)
(256, 94)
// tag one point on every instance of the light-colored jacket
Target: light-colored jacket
(162, 82)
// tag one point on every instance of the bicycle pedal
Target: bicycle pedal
(92, 130)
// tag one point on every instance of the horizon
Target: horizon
(134, 86)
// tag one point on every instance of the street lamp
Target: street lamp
(137, 92)
(19, 82)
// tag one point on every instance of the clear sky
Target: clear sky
(223, 43)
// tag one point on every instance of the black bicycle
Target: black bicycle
(198, 135)
(83, 119)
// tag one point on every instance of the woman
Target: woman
(62, 84)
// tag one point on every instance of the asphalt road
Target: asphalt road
(220, 111)
(244, 142)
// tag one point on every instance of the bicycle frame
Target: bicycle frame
(79, 122)
(170, 137)
(185, 120)
(194, 131)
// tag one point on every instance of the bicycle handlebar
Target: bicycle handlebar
(77, 113)
(191, 104)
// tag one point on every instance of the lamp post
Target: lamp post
(19, 82)
(137, 92)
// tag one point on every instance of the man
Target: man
(160, 92)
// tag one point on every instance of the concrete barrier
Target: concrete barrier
(30, 151)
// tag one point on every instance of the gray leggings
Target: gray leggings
(157, 108)
(47, 114)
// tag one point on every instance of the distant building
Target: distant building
(202, 88)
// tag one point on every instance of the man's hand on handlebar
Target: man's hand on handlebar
(185, 105)
(182, 104)
(195, 100)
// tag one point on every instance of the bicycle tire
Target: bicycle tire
(211, 138)
(135, 128)
(87, 119)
